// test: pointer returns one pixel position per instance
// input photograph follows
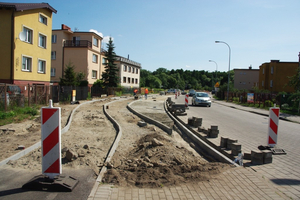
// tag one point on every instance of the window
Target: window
(53, 72)
(103, 60)
(42, 66)
(263, 70)
(43, 19)
(124, 79)
(95, 42)
(53, 55)
(95, 58)
(133, 70)
(28, 35)
(129, 69)
(94, 74)
(262, 83)
(137, 71)
(132, 80)
(128, 80)
(272, 70)
(136, 81)
(54, 38)
(42, 41)
(125, 68)
(26, 63)
(271, 83)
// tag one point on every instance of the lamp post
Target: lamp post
(228, 65)
(216, 68)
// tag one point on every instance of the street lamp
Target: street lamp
(216, 68)
(228, 65)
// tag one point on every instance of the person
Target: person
(134, 92)
(146, 93)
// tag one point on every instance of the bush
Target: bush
(269, 103)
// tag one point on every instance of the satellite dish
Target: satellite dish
(22, 36)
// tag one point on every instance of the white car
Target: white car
(201, 99)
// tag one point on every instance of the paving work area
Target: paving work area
(236, 183)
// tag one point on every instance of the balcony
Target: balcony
(78, 43)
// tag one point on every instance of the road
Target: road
(251, 130)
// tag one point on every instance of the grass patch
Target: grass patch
(18, 115)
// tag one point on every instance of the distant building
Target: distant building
(82, 49)
(274, 76)
(246, 79)
(129, 72)
(25, 41)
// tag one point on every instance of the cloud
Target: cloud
(187, 66)
(105, 38)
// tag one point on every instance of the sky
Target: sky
(181, 34)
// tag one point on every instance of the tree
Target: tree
(294, 81)
(110, 75)
(69, 76)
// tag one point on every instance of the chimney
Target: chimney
(65, 27)
(250, 67)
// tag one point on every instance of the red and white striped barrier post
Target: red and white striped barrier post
(51, 141)
(186, 100)
(175, 95)
(273, 126)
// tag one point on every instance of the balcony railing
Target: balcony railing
(78, 43)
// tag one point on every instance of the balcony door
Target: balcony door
(76, 41)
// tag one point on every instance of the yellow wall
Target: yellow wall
(30, 19)
(5, 43)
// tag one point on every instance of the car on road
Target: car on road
(171, 91)
(192, 92)
(201, 99)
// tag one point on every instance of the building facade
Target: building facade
(25, 40)
(129, 72)
(274, 76)
(246, 79)
(80, 49)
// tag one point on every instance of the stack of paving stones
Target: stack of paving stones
(195, 122)
(261, 157)
(213, 132)
(232, 145)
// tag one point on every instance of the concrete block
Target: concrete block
(223, 143)
(267, 156)
(213, 133)
(257, 157)
(197, 122)
(190, 121)
(247, 156)
(213, 127)
(235, 152)
(229, 142)
(236, 146)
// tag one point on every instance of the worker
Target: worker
(146, 93)
(135, 92)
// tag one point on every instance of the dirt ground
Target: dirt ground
(146, 156)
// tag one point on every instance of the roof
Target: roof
(27, 6)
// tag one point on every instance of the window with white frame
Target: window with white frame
(95, 58)
(132, 80)
(53, 70)
(28, 35)
(129, 69)
(42, 66)
(124, 79)
(26, 63)
(128, 79)
(271, 83)
(95, 42)
(133, 70)
(137, 71)
(136, 81)
(54, 38)
(103, 60)
(42, 41)
(53, 55)
(125, 68)
(43, 19)
(272, 70)
(94, 74)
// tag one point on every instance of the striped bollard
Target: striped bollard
(186, 100)
(51, 141)
(273, 126)
(175, 95)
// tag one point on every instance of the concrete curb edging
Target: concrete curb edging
(38, 144)
(150, 120)
(204, 146)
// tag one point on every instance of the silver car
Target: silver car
(201, 99)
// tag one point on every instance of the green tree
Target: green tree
(153, 82)
(69, 78)
(294, 81)
(110, 75)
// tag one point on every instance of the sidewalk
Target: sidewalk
(236, 183)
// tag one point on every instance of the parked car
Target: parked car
(201, 99)
(171, 91)
(192, 92)
(13, 89)
(183, 92)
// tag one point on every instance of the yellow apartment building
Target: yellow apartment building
(81, 49)
(25, 41)
(274, 76)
